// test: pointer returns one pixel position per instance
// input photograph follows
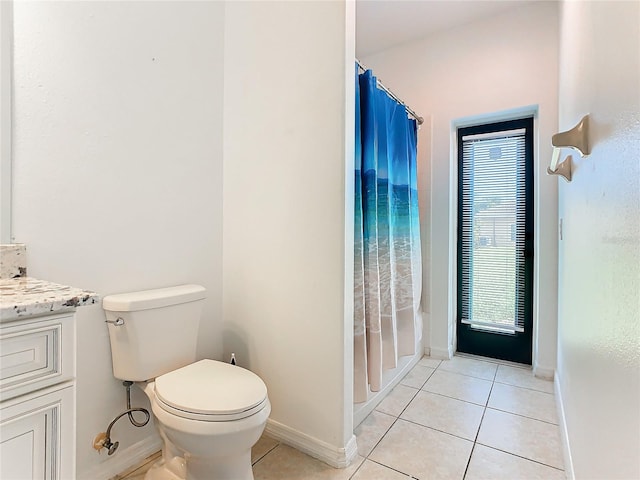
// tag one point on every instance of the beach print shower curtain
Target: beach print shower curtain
(388, 270)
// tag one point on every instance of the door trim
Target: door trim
(497, 341)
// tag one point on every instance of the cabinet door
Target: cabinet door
(33, 444)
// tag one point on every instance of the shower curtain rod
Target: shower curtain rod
(418, 118)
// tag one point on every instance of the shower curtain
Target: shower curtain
(388, 268)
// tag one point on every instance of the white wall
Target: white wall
(288, 81)
(599, 271)
(492, 65)
(6, 77)
(118, 171)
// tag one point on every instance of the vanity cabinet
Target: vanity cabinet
(37, 398)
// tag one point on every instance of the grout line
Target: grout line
(418, 390)
(459, 399)
(423, 383)
(486, 403)
(502, 382)
(484, 411)
(407, 405)
(395, 470)
(522, 416)
(358, 469)
(266, 453)
(465, 375)
(466, 469)
(520, 456)
(436, 430)
(429, 366)
(381, 437)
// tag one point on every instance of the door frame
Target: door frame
(486, 343)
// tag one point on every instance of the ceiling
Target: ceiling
(382, 24)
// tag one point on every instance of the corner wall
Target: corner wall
(288, 214)
(599, 270)
(118, 175)
(499, 64)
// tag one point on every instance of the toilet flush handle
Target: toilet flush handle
(117, 322)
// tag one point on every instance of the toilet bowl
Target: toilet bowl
(212, 423)
(209, 413)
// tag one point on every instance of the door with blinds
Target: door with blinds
(495, 240)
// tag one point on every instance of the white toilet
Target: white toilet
(209, 413)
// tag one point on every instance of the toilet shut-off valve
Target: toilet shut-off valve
(103, 439)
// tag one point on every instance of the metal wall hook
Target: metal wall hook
(576, 138)
(563, 169)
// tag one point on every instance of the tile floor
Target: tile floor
(462, 418)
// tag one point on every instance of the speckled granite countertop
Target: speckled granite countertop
(25, 296)
(13, 260)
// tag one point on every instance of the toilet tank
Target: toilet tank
(159, 330)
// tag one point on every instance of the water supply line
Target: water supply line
(106, 441)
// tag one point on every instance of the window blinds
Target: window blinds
(493, 210)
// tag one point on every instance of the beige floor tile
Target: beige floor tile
(523, 401)
(397, 400)
(139, 470)
(525, 437)
(374, 471)
(429, 362)
(446, 414)
(417, 376)
(423, 452)
(497, 361)
(462, 387)
(522, 377)
(264, 446)
(371, 430)
(138, 476)
(286, 463)
(490, 464)
(470, 366)
(151, 471)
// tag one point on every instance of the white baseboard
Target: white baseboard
(329, 454)
(543, 372)
(564, 433)
(442, 353)
(123, 459)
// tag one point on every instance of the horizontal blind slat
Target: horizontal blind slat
(492, 234)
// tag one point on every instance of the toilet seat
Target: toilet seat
(211, 391)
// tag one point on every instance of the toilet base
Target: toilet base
(174, 469)
(236, 468)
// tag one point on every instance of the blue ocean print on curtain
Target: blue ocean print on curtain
(387, 256)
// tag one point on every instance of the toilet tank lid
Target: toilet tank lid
(156, 298)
